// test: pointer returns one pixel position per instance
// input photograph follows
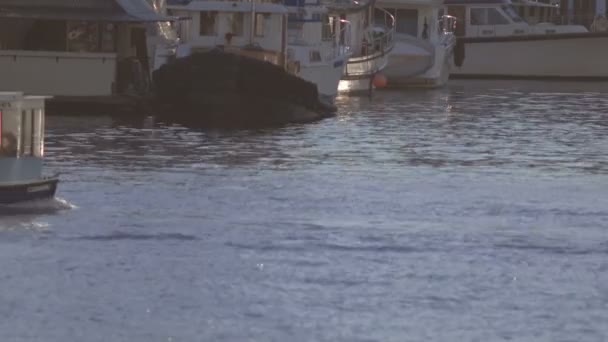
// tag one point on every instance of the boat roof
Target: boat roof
(477, 2)
(410, 2)
(533, 3)
(82, 10)
(347, 6)
(225, 6)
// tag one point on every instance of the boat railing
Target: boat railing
(374, 50)
(328, 47)
(579, 19)
(340, 49)
(522, 30)
(82, 73)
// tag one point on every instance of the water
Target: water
(473, 213)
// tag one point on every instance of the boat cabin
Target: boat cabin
(496, 18)
(535, 12)
(312, 34)
(234, 26)
(418, 19)
(582, 12)
(369, 34)
(73, 48)
(21, 136)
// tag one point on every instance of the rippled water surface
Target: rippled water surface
(473, 213)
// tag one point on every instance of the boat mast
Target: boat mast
(252, 28)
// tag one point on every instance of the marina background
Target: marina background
(474, 212)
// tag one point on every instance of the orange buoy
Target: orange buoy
(379, 81)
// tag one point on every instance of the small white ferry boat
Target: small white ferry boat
(22, 150)
(424, 43)
(494, 41)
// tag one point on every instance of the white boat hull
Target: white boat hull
(568, 56)
(359, 73)
(414, 66)
(325, 75)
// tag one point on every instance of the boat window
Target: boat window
(9, 131)
(315, 56)
(82, 36)
(208, 25)
(237, 23)
(406, 20)
(328, 25)
(381, 17)
(512, 13)
(41, 35)
(496, 18)
(37, 133)
(478, 16)
(487, 16)
(259, 24)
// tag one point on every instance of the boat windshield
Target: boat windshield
(512, 13)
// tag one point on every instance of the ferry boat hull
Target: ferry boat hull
(13, 193)
(557, 56)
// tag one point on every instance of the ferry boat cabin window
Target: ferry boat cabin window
(26, 132)
(37, 132)
(9, 130)
(208, 23)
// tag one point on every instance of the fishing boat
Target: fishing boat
(22, 150)
(494, 41)
(231, 68)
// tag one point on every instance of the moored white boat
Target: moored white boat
(22, 150)
(495, 42)
(424, 43)
(370, 37)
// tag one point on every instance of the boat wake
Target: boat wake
(46, 206)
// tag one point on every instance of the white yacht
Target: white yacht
(370, 37)
(424, 43)
(494, 41)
